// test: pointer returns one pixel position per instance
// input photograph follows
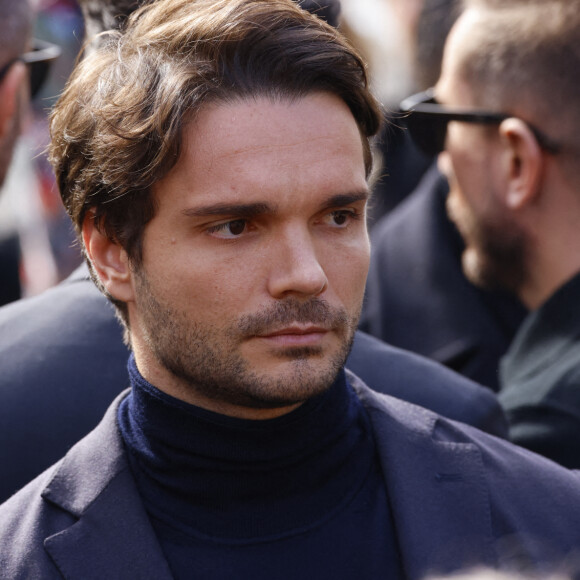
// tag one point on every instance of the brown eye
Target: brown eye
(341, 219)
(229, 230)
(236, 227)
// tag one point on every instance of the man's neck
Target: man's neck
(547, 274)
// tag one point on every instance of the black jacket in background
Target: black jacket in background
(540, 377)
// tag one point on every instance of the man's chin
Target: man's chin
(486, 274)
(287, 380)
(283, 389)
(472, 267)
(478, 272)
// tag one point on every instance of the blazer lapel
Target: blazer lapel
(111, 536)
(436, 487)
(112, 539)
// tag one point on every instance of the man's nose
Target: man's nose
(296, 268)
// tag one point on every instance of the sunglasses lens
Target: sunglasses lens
(427, 132)
(38, 74)
(39, 61)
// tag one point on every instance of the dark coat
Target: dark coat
(459, 497)
(63, 362)
(540, 377)
(418, 299)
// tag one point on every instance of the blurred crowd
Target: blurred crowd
(37, 245)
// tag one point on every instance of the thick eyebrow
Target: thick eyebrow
(244, 210)
(252, 210)
(346, 199)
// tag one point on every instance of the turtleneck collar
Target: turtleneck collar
(216, 476)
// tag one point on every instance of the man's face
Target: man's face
(15, 94)
(255, 264)
(495, 252)
(7, 144)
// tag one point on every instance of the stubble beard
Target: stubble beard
(208, 361)
(496, 251)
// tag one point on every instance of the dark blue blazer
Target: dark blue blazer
(418, 299)
(459, 497)
(63, 361)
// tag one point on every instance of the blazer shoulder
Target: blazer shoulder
(421, 381)
(56, 499)
(525, 490)
(26, 519)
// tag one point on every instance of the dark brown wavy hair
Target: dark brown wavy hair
(117, 129)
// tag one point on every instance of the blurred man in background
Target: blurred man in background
(506, 111)
(24, 64)
(14, 41)
(14, 89)
(417, 296)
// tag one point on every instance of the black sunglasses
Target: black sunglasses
(38, 60)
(427, 121)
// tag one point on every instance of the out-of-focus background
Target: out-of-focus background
(37, 244)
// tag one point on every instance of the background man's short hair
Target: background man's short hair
(523, 58)
(525, 49)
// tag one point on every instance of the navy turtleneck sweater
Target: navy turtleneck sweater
(299, 496)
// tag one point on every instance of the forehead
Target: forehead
(256, 147)
(459, 43)
(243, 128)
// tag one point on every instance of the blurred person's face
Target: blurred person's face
(13, 101)
(495, 252)
(255, 263)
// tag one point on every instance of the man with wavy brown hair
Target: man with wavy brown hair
(244, 448)
(63, 359)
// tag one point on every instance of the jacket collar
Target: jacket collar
(436, 486)
(435, 483)
(94, 484)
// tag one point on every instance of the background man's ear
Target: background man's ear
(110, 261)
(523, 163)
(11, 89)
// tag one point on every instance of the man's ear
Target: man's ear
(523, 163)
(10, 94)
(109, 259)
